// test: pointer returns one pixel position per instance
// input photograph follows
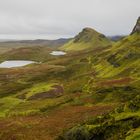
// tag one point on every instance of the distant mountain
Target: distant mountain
(7, 45)
(40, 42)
(6, 40)
(29, 49)
(87, 39)
(116, 38)
(49, 43)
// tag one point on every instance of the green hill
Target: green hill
(117, 79)
(87, 39)
(78, 96)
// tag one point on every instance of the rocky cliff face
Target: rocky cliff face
(137, 27)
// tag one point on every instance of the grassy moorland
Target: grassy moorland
(91, 93)
(116, 80)
(13, 44)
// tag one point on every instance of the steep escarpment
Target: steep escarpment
(137, 27)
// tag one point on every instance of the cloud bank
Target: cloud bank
(65, 18)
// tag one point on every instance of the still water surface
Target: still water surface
(58, 53)
(15, 63)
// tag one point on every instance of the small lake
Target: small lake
(15, 63)
(58, 53)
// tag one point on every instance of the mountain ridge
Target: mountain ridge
(88, 38)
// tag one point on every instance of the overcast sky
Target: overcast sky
(30, 19)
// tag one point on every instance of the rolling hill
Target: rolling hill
(8, 45)
(87, 39)
(92, 93)
(117, 79)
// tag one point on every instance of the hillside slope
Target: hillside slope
(96, 87)
(87, 39)
(117, 79)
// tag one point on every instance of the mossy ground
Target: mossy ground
(95, 81)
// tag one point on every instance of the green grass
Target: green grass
(8, 103)
(134, 135)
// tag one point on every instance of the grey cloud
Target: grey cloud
(60, 18)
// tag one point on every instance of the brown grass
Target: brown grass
(122, 81)
(57, 91)
(48, 127)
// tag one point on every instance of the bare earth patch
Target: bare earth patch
(53, 93)
(122, 81)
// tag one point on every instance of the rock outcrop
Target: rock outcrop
(137, 27)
